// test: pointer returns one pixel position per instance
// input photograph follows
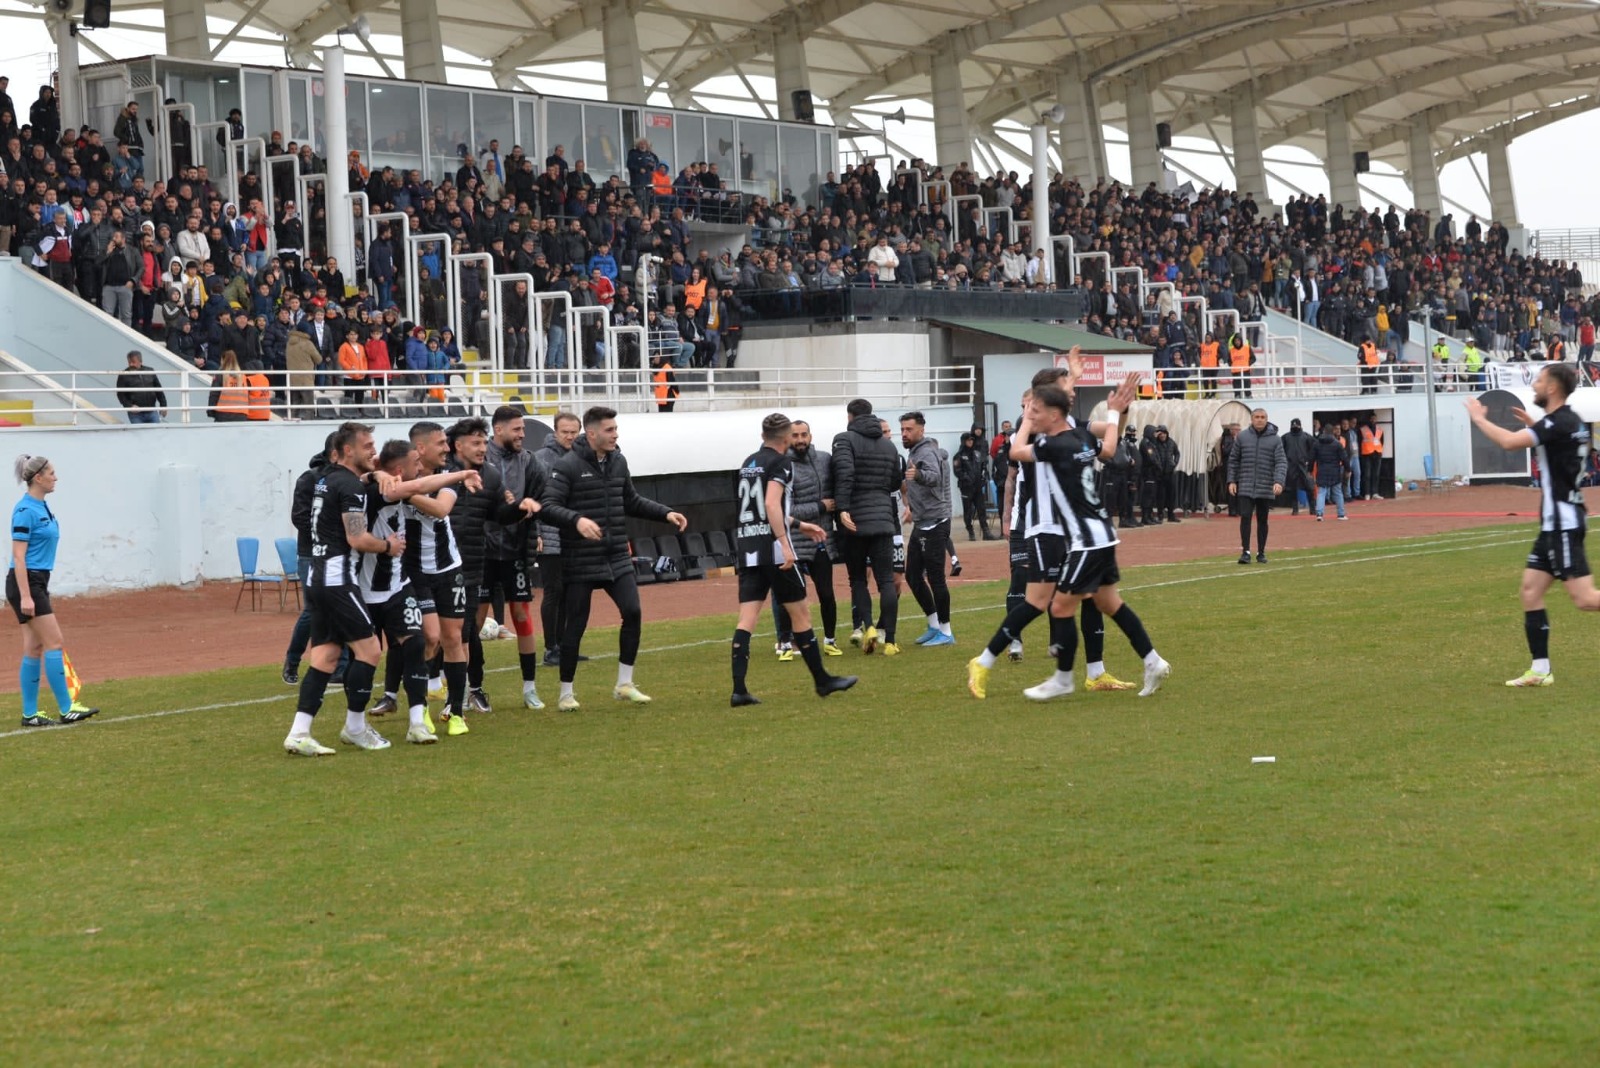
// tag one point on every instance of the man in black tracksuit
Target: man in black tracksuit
(1120, 474)
(469, 520)
(506, 557)
(866, 471)
(546, 543)
(590, 495)
(1166, 451)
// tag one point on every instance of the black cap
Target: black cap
(1161, 430)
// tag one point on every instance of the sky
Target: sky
(1544, 163)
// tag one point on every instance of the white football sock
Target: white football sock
(302, 725)
(1542, 666)
(624, 674)
(416, 714)
(1096, 669)
(986, 658)
(566, 689)
(1152, 658)
(355, 722)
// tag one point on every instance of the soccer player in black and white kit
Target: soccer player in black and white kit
(1068, 453)
(1561, 440)
(338, 616)
(385, 585)
(768, 562)
(433, 563)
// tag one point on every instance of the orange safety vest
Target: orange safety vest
(260, 403)
(233, 397)
(1208, 353)
(1371, 441)
(694, 295)
(1556, 351)
(661, 184)
(1239, 358)
(1369, 354)
(665, 385)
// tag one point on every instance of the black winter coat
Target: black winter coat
(1331, 461)
(866, 470)
(1298, 449)
(472, 514)
(581, 487)
(1257, 463)
(300, 502)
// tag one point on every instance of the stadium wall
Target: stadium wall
(162, 505)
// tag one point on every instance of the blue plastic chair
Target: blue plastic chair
(249, 552)
(1433, 481)
(289, 560)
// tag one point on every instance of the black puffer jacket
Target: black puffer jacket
(300, 502)
(520, 474)
(473, 512)
(866, 470)
(1330, 459)
(1257, 462)
(581, 487)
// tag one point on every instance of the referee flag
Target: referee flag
(74, 684)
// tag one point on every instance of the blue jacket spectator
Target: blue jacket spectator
(605, 263)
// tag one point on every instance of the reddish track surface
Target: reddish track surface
(119, 635)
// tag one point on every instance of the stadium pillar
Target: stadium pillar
(341, 219)
(188, 37)
(1502, 194)
(1342, 189)
(953, 141)
(1143, 151)
(1249, 171)
(421, 44)
(619, 38)
(789, 69)
(1424, 173)
(69, 93)
(1083, 144)
(1040, 212)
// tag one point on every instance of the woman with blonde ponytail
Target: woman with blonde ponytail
(35, 533)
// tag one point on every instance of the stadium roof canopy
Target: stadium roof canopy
(1454, 69)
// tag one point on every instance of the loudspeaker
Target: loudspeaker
(1362, 162)
(96, 14)
(1164, 134)
(803, 111)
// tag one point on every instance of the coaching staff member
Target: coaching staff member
(866, 471)
(590, 496)
(1257, 467)
(547, 543)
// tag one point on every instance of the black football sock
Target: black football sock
(416, 671)
(1537, 625)
(455, 685)
(529, 662)
(1011, 629)
(1064, 639)
(1094, 632)
(741, 659)
(313, 684)
(358, 684)
(475, 662)
(396, 663)
(1134, 629)
(806, 642)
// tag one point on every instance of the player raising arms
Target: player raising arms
(768, 562)
(1047, 440)
(1562, 440)
(338, 617)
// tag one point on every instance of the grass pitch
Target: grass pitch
(899, 875)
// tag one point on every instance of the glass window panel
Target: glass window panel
(564, 131)
(631, 132)
(525, 129)
(449, 127)
(396, 109)
(758, 158)
(720, 151)
(258, 120)
(799, 157)
(690, 137)
(492, 118)
(299, 115)
(355, 118)
(603, 154)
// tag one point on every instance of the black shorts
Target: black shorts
(757, 581)
(1558, 553)
(510, 576)
(38, 589)
(398, 618)
(337, 615)
(1046, 554)
(1018, 547)
(1087, 570)
(443, 595)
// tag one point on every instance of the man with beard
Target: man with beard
(811, 501)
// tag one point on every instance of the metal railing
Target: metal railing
(910, 302)
(86, 398)
(1582, 243)
(1288, 381)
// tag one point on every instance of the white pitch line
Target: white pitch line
(1451, 545)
